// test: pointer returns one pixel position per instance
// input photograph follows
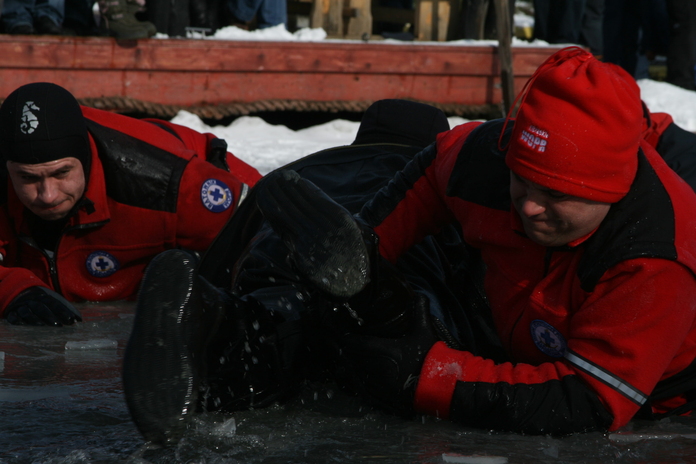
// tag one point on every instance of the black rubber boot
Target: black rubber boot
(163, 363)
(326, 244)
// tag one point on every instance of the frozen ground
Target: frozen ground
(61, 399)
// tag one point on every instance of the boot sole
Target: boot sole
(159, 376)
(325, 242)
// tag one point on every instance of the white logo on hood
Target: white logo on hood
(29, 120)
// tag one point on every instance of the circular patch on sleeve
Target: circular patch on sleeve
(216, 195)
(102, 264)
(548, 339)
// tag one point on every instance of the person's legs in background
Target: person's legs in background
(120, 21)
(48, 16)
(558, 21)
(271, 13)
(591, 31)
(242, 12)
(681, 56)
(170, 17)
(17, 18)
(79, 17)
(621, 34)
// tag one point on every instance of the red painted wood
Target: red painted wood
(200, 72)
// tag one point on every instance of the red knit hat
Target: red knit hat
(578, 128)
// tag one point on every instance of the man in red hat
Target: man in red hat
(91, 196)
(588, 241)
(570, 306)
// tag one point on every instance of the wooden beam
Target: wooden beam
(358, 21)
(207, 72)
(502, 13)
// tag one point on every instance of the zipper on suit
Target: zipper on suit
(50, 257)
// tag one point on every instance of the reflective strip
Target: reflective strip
(243, 193)
(600, 374)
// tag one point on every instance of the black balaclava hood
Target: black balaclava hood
(43, 122)
(401, 121)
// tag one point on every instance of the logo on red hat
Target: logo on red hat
(534, 138)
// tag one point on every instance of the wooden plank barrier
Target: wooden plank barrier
(198, 73)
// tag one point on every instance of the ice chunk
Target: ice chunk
(226, 429)
(473, 459)
(96, 344)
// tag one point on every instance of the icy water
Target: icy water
(61, 401)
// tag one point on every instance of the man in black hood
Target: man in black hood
(73, 183)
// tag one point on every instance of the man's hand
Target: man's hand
(385, 370)
(41, 306)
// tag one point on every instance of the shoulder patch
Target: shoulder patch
(216, 195)
(548, 339)
(102, 264)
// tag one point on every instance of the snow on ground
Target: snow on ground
(267, 146)
(661, 97)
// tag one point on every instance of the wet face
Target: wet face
(552, 218)
(51, 189)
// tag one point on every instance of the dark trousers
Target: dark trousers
(633, 28)
(681, 56)
(558, 21)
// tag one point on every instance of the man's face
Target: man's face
(552, 218)
(51, 189)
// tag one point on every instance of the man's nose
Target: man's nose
(48, 191)
(532, 205)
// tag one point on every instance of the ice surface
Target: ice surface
(67, 406)
(96, 344)
(630, 437)
(474, 459)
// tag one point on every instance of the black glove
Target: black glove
(385, 370)
(41, 306)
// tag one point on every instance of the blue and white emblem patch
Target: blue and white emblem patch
(548, 339)
(216, 195)
(102, 264)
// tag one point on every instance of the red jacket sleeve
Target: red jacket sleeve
(632, 326)
(207, 196)
(413, 205)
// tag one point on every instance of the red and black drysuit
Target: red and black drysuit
(594, 330)
(150, 188)
(676, 145)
